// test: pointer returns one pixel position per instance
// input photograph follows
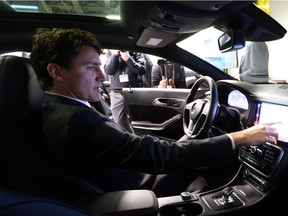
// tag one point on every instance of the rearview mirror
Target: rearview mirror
(231, 40)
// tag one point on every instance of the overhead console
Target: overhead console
(160, 19)
(163, 18)
(163, 21)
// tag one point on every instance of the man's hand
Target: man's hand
(115, 52)
(163, 83)
(257, 134)
(125, 55)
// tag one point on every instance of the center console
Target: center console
(260, 163)
(254, 180)
(260, 175)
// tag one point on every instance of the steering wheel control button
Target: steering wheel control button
(187, 196)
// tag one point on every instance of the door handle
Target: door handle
(168, 102)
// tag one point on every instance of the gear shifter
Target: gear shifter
(226, 193)
(223, 199)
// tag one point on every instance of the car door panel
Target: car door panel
(147, 125)
(156, 111)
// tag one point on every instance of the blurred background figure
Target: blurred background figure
(125, 69)
(146, 78)
(168, 74)
(254, 64)
(106, 53)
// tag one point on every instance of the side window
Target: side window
(160, 73)
(190, 77)
(166, 73)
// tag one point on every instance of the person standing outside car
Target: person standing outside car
(87, 143)
(125, 69)
(254, 63)
(168, 74)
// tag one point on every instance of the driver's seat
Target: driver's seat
(23, 160)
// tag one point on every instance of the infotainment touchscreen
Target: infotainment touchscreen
(271, 112)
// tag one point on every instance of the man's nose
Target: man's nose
(100, 76)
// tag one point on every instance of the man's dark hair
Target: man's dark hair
(59, 46)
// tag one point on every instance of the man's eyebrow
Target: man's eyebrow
(95, 63)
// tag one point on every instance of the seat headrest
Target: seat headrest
(19, 88)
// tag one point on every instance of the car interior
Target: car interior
(33, 183)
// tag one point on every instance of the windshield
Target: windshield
(101, 8)
(257, 62)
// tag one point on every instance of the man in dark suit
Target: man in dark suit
(67, 64)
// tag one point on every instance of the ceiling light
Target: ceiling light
(113, 17)
(153, 41)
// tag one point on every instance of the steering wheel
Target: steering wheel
(201, 107)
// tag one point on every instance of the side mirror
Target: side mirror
(231, 40)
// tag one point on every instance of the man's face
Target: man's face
(84, 78)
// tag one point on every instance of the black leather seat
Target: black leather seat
(24, 162)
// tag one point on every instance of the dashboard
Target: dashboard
(238, 99)
(266, 112)
(273, 113)
(266, 103)
(257, 104)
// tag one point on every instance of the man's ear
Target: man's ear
(55, 71)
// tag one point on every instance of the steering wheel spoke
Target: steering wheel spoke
(190, 126)
(206, 108)
(189, 106)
